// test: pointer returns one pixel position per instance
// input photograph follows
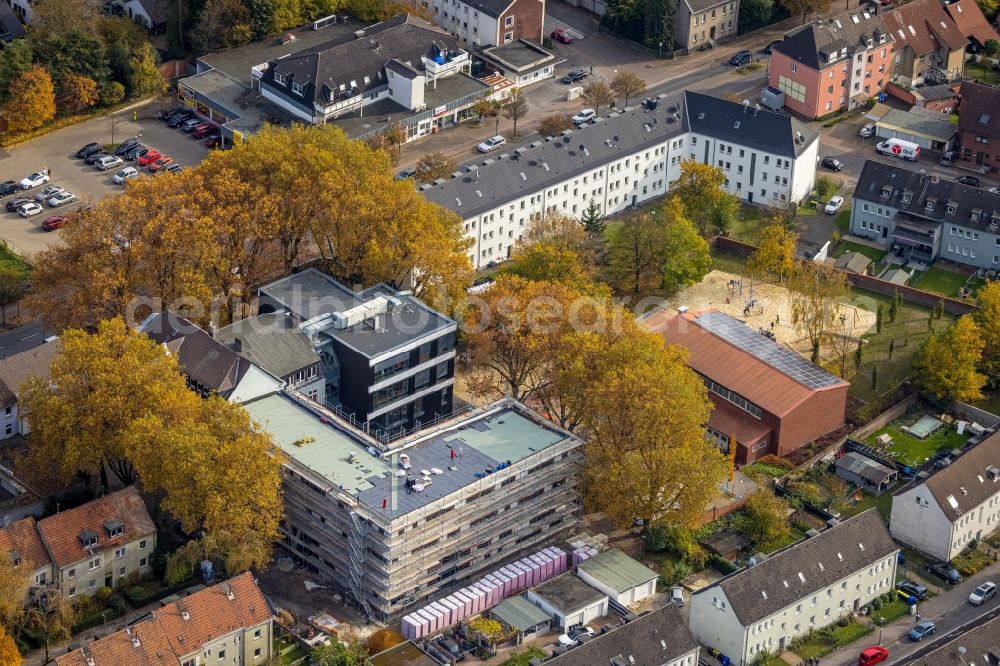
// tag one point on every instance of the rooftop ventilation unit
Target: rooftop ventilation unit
(993, 473)
(359, 313)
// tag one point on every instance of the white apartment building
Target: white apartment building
(489, 22)
(626, 159)
(953, 506)
(804, 587)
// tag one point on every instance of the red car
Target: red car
(53, 223)
(560, 35)
(150, 157)
(213, 140)
(203, 130)
(160, 163)
(872, 655)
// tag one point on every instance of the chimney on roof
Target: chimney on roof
(228, 589)
(237, 344)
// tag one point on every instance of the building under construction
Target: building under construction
(394, 524)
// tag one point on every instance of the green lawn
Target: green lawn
(975, 70)
(843, 221)
(847, 246)
(747, 227)
(912, 451)
(849, 508)
(611, 229)
(944, 282)
(9, 259)
(522, 658)
(892, 611)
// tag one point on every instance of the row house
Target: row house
(930, 49)
(804, 588)
(698, 22)
(626, 159)
(922, 217)
(834, 64)
(952, 507)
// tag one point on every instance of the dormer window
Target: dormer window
(974, 215)
(907, 196)
(114, 528)
(952, 207)
(886, 190)
(931, 202)
(298, 88)
(88, 538)
(15, 557)
(995, 220)
(280, 79)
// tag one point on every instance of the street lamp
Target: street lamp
(661, 49)
(880, 621)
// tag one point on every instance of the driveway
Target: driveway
(57, 151)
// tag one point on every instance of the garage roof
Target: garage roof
(617, 570)
(519, 613)
(568, 594)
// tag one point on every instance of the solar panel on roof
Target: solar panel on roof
(766, 350)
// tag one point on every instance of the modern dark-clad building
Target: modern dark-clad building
(772, 399)
(387, 359)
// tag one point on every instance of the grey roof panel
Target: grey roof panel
(494, 8)
(271, 341)
(849, 29)
(519, 613)
(766, 350)
(567, 593)
(735, 123)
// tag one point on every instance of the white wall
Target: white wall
(465, 22)
(404, 91)
(716, 624)
(134, 8)
(291, 108)
(9, 424)
(255, 384)
(918, 520)
(22, 8)
(577, 617)
(629, 596)
(804, 172)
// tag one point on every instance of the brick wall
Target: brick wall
(821, 413)
(528, 18)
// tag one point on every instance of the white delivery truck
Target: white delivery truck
(899, 148)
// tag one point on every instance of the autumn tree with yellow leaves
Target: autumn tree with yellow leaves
(775, 253)
(9, 655)
(701, 188)
(947, 365)
(116, 399)
(556, 248)
(31, 100)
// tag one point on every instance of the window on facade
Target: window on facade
(298, 88)
(95, 563)
(791, 88)
(120, 554)
(279, 78)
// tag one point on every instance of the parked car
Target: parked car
(677, 596)
(585, 115)
(29, 209)
(872, 655)
(62, 199)
(148, 158)
(912, 589)
(48, 192)
(492, 143)
(213, 140)
(53, 222)
(574, 75)
(169, 113)
(189, 124)
(203, 130)
(8, 187)
(560, 35)
(925, 628)
(867, 130)
(172, 167)
(159, 163)
(180, 117)
(108, 162)
(833, 205)
(125, 145)
(15, 203)
(832, 163)
(136, 151)
(92, 158)
(945, 572)
(88, 149)
(409, 172)
(968, 180)
(741, 58)
(769, 49)
(983, 593)
(451, 647)
(126, 174)
(35, 179)
(948, 158)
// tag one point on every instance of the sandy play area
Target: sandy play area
(772, 305)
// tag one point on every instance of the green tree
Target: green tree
(992, 46)
(112, 92)
(16, 58)
(686, 255)
(515, 107)
(879, 312)
(804, 7)
(946, 366)
(339, 654)
(144, 76)
(764, 520)
(635, 256)
(701, 188)
(31, 101)
(775, 253)
(74, 52)
(221, 24)
(678, 541)
(894, 304)
(597, 94)
(755, 14)
(593, 219)
(892, 345)
(626, 85)
(554, 125)
(990, 8)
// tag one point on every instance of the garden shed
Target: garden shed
(867, 474)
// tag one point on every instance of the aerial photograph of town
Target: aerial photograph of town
(501, 332)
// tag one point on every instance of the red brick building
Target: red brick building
(771, 398)
(489, 22)
(979, 124)
(833, 64)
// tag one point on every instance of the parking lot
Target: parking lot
(57, 152)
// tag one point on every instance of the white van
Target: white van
(899, 148)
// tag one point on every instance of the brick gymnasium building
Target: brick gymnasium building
(771, 398)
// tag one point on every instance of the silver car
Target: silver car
(983, 593)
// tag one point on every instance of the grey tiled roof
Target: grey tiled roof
(806, 567)
(500, 181)
(10, 25)
(271, 341)
(864, 467)
(654, 639)
(967, 480)
(806, 43)
(698, 6)
(324, 68)
(900, 181)
(492, 8)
